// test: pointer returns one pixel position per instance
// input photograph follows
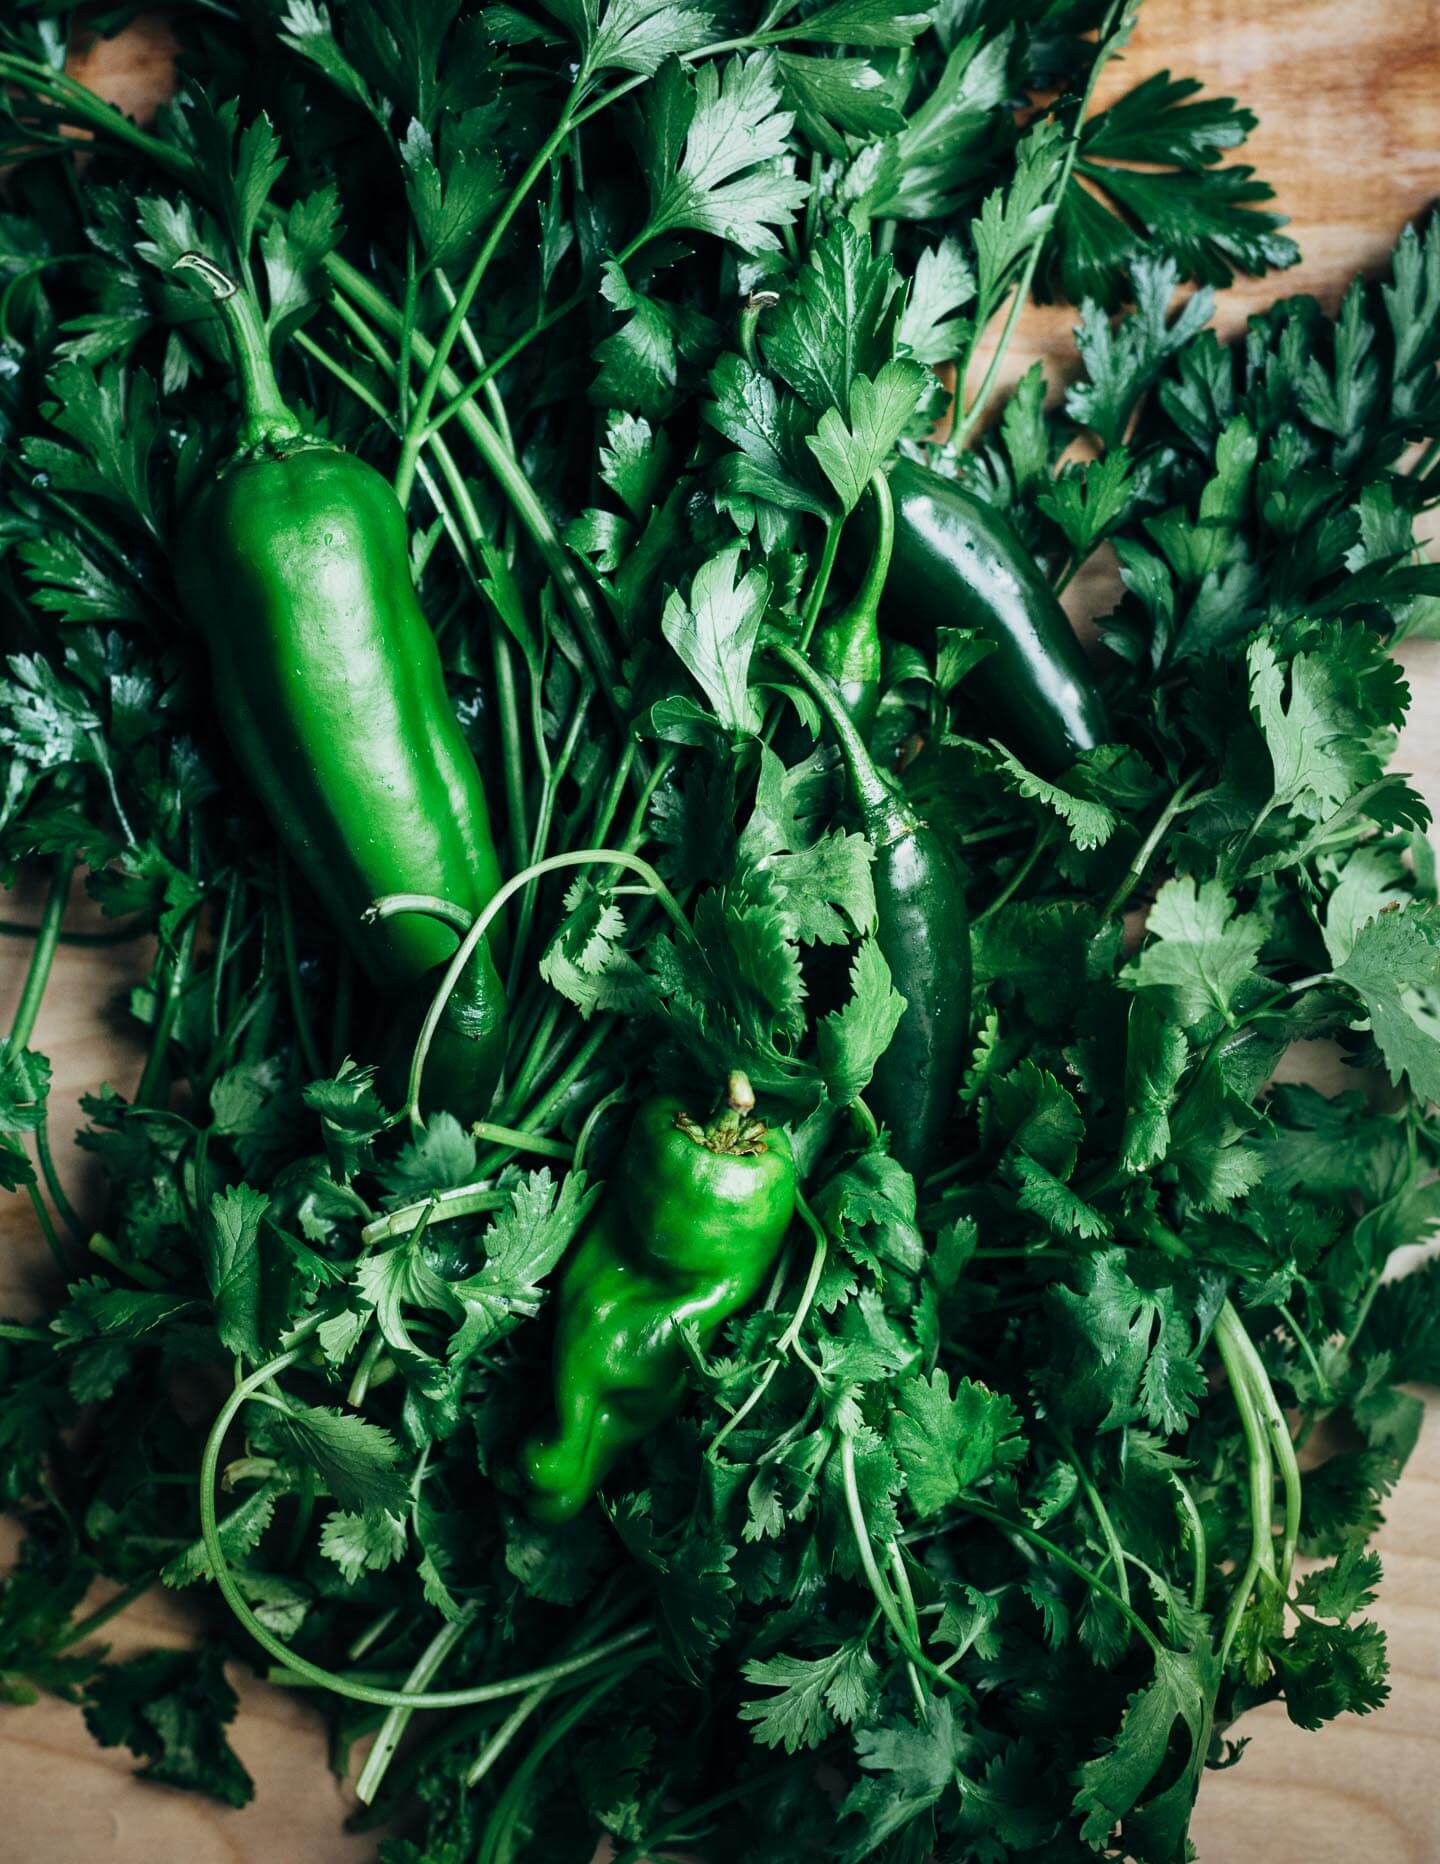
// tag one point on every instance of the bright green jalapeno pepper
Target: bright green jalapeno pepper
(686, 1233)
(293, 565)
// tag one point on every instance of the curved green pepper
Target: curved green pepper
(293, 564)
(846, 647)
(923, 930)
(686, 1233)
(959, 563)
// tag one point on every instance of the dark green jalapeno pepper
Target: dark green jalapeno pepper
(959, 563)
(293, 565)
(686, 1233)
(923, 930)
(846, 647)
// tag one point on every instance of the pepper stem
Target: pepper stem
(886, 816)
(755, 305)
(268, 417)
(734, 1131)
(868, 595)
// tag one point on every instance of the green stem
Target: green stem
(544, 818)
(497, 1840)
(965, 421)
(496, 456)
(829, 550)
(439, 358)
(176, 977)
(505, 1734)
(1018, 878)
(493, 398)
(25, 1336)
(137, 1271)
(520, 1141)
(1261, 1484)
(1281, 1444)
(754, 308)
(812, 1280)
(1322, 1384)
(1092, 1580)
(1101, 1514)
(47, 1228)
(81, 1628)
(465, 1200)
(392, 1729)
(512, 760)
(1135, 873)
(1197, 1540)
(886, 817)
(884, 1598)
(267, 418)
(877, 570)
(42, 958)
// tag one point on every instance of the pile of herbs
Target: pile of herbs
(981, 1531)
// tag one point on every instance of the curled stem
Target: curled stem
(352, 1688)
(409, 902)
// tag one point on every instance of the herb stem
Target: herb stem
(520, 1141)
(1105, 49)
(436, 363)
(884, 1598)
(81, 1628)
(392, 1729)
(42, 957)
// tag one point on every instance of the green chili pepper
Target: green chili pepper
(846, 646)
(959, 563)
(685, 1235)
(923, 930)
(292, 563)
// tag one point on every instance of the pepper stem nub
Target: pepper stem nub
(735, 1129)
(268, 417)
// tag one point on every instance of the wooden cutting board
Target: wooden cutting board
(1348, 93)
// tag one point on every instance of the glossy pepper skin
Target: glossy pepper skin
(846, 647)
(687, 1231)
(923, 930)
(959, 563)
(293, 565)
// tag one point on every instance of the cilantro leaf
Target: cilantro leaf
(1394, 968)
(853, 1038)
(1199, 951)
(947, 1444)
(815, 1693)
(171, 1708)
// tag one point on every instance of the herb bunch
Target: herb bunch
(982, 1531)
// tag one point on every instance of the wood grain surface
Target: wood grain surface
(1348, 93)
